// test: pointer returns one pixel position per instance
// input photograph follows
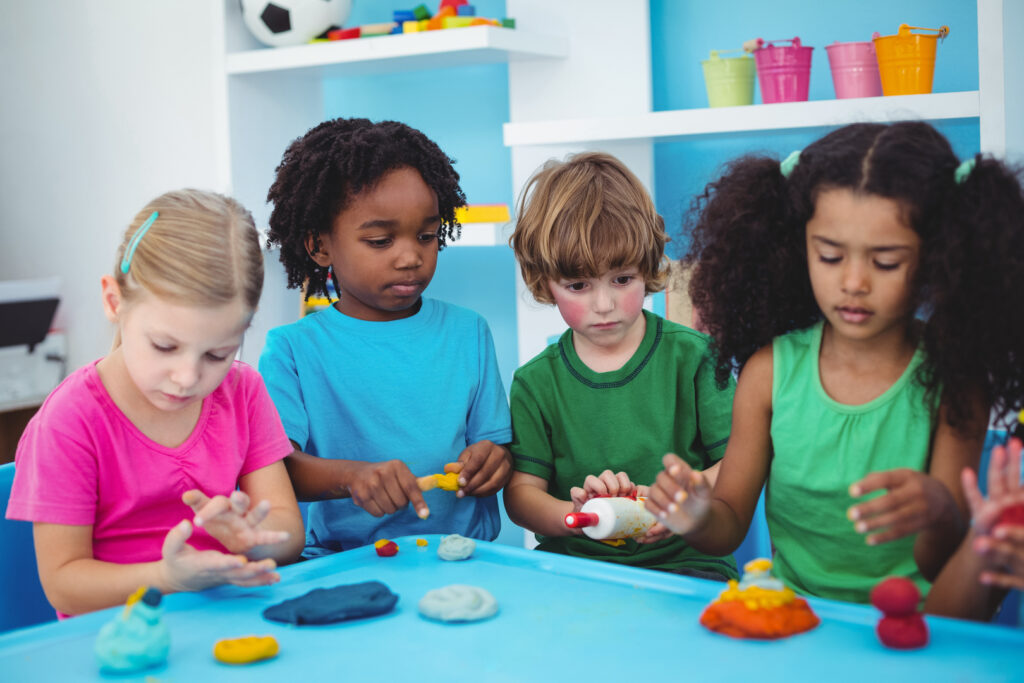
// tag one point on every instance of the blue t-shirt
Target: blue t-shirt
(419, 390)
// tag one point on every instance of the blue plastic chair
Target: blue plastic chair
(1011, 612)
(22, 601)
(757, 542)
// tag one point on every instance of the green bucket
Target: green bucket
(729, 82)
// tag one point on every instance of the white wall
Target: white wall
(105, 104)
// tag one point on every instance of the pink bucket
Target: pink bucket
(783, 72)
(854, 69)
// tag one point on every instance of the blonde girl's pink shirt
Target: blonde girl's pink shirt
(80, 461)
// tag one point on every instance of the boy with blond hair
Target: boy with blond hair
(593, 414)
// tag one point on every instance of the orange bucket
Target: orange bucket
(906, 61)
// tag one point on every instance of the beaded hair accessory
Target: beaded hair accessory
(787, 165)
(129, 251)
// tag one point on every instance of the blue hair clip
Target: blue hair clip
(964, 170)
(129, 251)
(787, 165)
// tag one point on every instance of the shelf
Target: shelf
(666, 126)
(400, 52)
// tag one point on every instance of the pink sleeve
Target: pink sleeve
(268, 442)
(55, 475)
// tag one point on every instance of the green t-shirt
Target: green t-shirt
(820, 447)
(569, 422)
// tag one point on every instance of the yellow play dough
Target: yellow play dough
(245, 650)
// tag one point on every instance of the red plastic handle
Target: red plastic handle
(575, 520)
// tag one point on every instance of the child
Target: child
(622, 385)
(810, 276)
(384, 385)
(119, 452)
(991, 558)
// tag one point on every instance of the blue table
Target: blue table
(560, 619)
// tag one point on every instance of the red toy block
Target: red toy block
(1012, 515)
(343, 33)
(452, 3)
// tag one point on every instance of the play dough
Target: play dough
(455, 547)
(245, 650)
(458, 603)
(758, 606)
(136, 638)
(328, 605)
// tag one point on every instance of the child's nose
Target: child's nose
(185, 374)
(604, 302)
(408, 256)
(855, 278)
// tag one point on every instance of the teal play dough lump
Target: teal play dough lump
(458, 603)
(136, 638)
(456, 547)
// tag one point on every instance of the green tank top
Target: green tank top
(820, 447)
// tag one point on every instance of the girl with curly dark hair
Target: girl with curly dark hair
(860, 288)
(384, 382)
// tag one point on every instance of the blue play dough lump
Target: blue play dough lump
(330, 605)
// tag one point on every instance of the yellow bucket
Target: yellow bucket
(906, 61)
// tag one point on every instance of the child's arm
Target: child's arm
(380, 488)
(715, 522)
(931, 505)
(529, 505)
(76, 583)
(991, 558)
(271, 528)
(486, 468)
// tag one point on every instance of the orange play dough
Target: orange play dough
(735, 619)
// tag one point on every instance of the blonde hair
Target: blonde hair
(202, 250)
(583, 217)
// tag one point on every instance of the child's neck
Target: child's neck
(854, 372)
(610, 358)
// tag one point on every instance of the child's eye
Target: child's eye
(624, 279)
(428, 237)
(886, 266)
(576, 286)
(829, 259)
(215, 358)
(163, 349)
(379, 243)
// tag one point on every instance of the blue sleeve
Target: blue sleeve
(489, 416)
(280, 374)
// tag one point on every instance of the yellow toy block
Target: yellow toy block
(483, 213)
(412, 26)
(456, 22)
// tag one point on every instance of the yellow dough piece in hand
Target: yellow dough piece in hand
(245, 650)
(445, 482)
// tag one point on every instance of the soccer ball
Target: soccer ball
(292, 22)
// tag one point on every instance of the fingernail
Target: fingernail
(662, 515)
(872, 540)
(861, 527)
(462, 481)
(679, 497)
(198, 521)
(855, 491)
(672, 507)
(674, 470)
(423, 513)
(853, 513)
(1000, 532)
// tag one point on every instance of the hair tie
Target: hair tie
(787, 165)
(129, 251)
(963, 170)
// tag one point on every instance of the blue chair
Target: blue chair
(22, 601)
(1011, 612)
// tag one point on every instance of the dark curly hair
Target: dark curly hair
(332, 163)
(748, 253)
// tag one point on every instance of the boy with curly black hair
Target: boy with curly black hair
(385, 382)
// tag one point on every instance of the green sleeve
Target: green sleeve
(714, 409)
(531, 443)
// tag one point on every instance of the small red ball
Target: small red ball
(896, 596)
(1012, 515)
(903, 633)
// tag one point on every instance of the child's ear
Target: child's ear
(112, 300)
(316, 251)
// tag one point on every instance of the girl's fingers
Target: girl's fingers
(239, 502)
(997, 483)
(969, 482)
(216, 506)
(258, 513)
(1000, 580)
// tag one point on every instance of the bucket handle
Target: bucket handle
(943, 31)
(760, 43)
(717, 54)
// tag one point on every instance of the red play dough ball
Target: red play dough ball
(896, 596)
(903, 633)
(389, 549)
(1012, 515)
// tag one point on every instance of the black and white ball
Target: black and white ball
(292, 22)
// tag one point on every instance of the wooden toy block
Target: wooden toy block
(483, 213)
(382, 29)
(411, 26)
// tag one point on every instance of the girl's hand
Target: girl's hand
(383, 488)
(485, 468)
(1001, 545)
(232, 521)
(914, 502)
(680, 497)
(607, 484)
(658, 532)
(183, 568)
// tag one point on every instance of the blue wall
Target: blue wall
(683, 33)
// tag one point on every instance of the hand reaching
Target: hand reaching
(383, 488)
(232, 521)
(914, 501)
(485, 468)
(184, 568)
(680, 497)
(1000, 544)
